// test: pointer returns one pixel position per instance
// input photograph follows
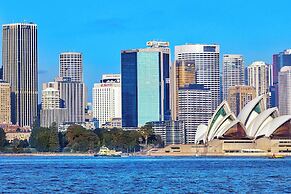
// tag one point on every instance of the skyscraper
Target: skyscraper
(206, 59)
(19, 59)
(259, 77)
(233, 72)
(239, 96)
(285, 90)
(71, 66)
(145, 84)
(194, 108)
(182, 74)
(106, 98)
(5, 110)
(279, 60)
(50, 98)
(72, 97)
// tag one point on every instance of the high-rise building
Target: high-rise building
(145, 84)
(182, 74)
(5, 111)
(259, 77)
(107, 98)
(233, 72)
(285, 90)
(171, 132)
(72, 98)
(194, 108)
(279, 60)
(206, 59)
(239, 96)
(19, 59)
(71, 66)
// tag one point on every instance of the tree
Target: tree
(146, 131)
(81, 139)
(2, 138)
(54, 144)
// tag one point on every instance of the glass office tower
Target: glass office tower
(145, 84)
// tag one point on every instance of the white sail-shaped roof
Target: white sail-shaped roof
(271, 127)
(251, 110)
(218, 116)
(231, 125)
(261, 120)
(201, 133)
(222, 124)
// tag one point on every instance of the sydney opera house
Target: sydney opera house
(255, 130)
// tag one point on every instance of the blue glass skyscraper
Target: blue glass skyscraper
(145, 84)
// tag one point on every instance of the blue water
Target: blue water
(144, 175)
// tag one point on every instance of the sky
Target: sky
(100, 29)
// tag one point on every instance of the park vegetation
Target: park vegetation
(80, 140)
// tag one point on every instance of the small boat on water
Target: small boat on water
(276, 156)
(106, 152)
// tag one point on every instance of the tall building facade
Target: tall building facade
(279, 60)
(145, 84)
(71, 66)
(194, 108)
(239, 96)
(1, 73)
(72, 97)
(5, 110)
(106, 98)
(206, 59)
(233, 72)
(259, 77)
(171, 132)
(284, 81)
(182, 73)
(19, 59)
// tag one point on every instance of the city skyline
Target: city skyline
(102, 26)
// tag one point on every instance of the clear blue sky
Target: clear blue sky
(100, 29)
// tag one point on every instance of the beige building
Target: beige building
(239, 96)
(5, 110)
(182, 74)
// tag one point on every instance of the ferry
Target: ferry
(275, 156)
(106, 152)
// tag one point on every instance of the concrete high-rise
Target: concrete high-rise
(233, 72)
(106, 98)
(239, 96)
(71, 66)
(279, 60)
(206, 59)
(284, 81)
(5, 110)
(19, 59)
(259, 77)
(182, 73)
(50, 98)
(194, 108)
(145, 84)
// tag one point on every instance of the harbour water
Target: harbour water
(144, 175)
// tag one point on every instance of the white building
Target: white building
(206, 58)
(50, 98)
(233, 72)
(71, 66)
(107, 99)
(285, 90)
(259, 76)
